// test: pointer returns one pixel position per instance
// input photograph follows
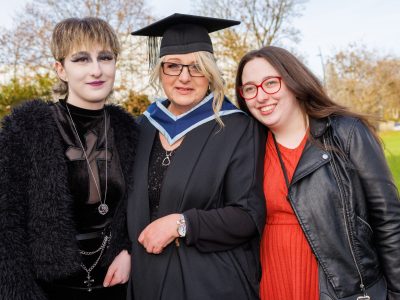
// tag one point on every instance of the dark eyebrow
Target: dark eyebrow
(80, 53)
(106, 52)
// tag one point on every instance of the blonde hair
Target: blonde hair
(209, 68)
(74, 33)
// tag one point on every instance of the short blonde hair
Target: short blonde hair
(209, 68)
(74, 33)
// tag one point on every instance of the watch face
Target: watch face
(182, 230)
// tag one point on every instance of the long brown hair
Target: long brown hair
(306, 87)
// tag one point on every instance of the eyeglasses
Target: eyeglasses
(174, 69)
(270, 85)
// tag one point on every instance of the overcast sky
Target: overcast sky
(326, 25)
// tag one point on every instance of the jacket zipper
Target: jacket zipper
(334, 167)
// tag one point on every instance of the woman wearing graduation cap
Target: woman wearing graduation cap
(196, 212)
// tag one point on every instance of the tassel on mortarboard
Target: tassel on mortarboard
(153, 48)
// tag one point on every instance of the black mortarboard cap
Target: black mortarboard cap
(182, 34)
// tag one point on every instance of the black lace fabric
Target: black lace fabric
(156, 174)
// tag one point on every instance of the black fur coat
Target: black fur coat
(37, 234)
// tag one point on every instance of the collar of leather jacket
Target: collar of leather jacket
(319, 126)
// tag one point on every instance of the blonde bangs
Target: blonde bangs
(76, 34)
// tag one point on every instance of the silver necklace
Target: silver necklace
(103, 207)
(167, 159)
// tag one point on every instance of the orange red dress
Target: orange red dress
(290, 269)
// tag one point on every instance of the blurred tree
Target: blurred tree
(25, 48)
(12, 52)
(264, 22)
(18, 91)
(362, 80)
(389, 79)
(135, 103)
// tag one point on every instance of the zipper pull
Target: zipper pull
(365, 297)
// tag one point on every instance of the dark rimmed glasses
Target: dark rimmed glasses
(175, 69)
(270, 85)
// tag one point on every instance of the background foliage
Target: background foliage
(25, 47)
(391, 141)
(355, 76)
(17, 91)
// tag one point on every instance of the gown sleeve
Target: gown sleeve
(243, 215)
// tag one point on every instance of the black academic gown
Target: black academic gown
(213, 168)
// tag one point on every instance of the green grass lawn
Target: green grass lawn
(391, 141)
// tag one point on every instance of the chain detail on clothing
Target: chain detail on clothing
(89, 280)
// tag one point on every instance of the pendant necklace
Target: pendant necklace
(103, 207)
(167, 159)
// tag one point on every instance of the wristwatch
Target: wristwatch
(181, 226)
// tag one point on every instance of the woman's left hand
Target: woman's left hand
(159, 233)
(119, 270)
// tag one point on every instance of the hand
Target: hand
(159, 233)
(119, 270)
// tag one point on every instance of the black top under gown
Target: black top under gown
(157, 171)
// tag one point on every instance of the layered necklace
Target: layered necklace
(89, 280)
(103, 207)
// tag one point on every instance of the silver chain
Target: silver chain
(89, 279)
(102, 203)
(88, 271)
(101, 249)
(105, 240)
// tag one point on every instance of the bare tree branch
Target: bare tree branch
(362, 80)
(26, 47)
(264, 22)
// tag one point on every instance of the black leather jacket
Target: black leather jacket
(348, 207)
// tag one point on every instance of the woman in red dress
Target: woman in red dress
(333, 211)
